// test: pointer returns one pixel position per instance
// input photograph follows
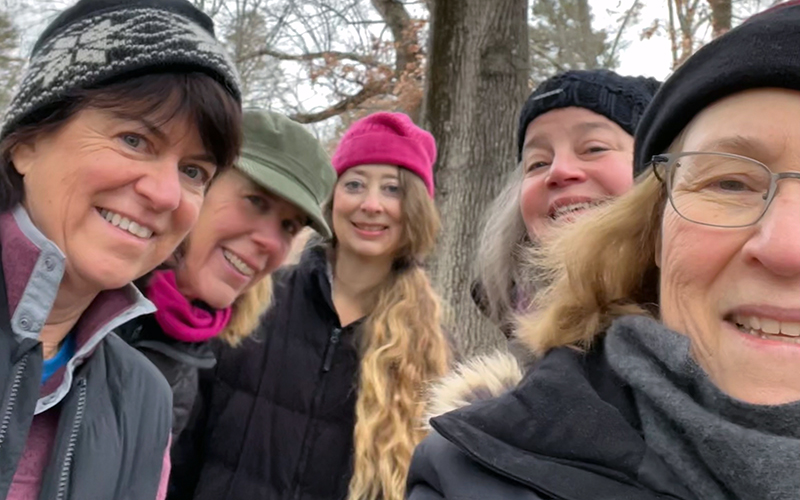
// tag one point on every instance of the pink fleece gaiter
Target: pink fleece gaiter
(177, 316)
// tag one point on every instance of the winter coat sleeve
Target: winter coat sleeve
(188, 453)
(441, 471)
(183, 380)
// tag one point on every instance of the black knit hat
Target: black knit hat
(96, 42)
(762, 52)
(621, 99)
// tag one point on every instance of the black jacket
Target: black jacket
(278, 412)
(569, 431)
(178, 361)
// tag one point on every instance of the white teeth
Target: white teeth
(566, 209)
(238, 263)
(769, 328)
(369, 227)
(791, 329)
(126, 224)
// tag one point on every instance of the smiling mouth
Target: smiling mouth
(766, 328)
(238, 263)
(125, 224)
(572, 209)
(371, 228)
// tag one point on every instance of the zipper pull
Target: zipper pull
(333, 341)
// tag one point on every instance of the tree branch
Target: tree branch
(628, 15)
(398, 20)
(366, 60)
(345, 104)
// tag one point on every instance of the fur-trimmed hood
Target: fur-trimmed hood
(478, 379)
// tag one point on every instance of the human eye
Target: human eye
(392, 189)
(353, 186)
(133, 141)
(196, 174)
(536, 165)
(725, 176)
(259, 202)
(596, 148)
(291, 226)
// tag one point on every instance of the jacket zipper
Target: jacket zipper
(333, 341)
(12, 398)
(63, 479)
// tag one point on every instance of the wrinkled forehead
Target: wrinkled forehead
(760, 123)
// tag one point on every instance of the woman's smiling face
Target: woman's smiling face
(735, 291)
(115, 193)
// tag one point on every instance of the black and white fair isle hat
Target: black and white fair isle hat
(96, 42)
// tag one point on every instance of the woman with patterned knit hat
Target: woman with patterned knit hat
(324, 401)
(127, 112)
(217, 285)
(575, 151)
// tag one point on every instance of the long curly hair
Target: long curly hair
(403, 349)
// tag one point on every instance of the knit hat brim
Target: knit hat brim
(273, 179)
(369, 149)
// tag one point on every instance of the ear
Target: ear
(658, 249)
(22, 156)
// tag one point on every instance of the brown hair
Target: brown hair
(162, 96)
(403, 349)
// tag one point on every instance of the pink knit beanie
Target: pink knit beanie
(391, 139)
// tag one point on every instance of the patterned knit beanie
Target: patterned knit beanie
(621, 99)
(97, 42)
(387, 138)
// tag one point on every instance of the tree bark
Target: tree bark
(476, 84)
(721, 16)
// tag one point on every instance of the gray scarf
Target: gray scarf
(722, 448)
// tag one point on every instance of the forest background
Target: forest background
(459, 68)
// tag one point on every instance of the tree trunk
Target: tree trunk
(476, 84)
(721, 15)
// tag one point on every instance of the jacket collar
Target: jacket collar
(569, 430)
(33, 267)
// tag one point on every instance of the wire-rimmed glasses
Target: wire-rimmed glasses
(718, 189)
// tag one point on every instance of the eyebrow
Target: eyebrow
(538, 141)
(590, 126)
(159, 134)
(739, 144)
(393, 176)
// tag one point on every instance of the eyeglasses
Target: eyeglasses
(718, 189)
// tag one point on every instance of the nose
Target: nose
(776, 242)
(269, 239)
(565, 170)
(161, 186)
(372, 203)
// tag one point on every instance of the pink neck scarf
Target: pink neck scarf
(177, 316)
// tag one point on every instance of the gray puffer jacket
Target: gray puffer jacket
(110, 406)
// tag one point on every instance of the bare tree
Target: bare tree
(316, 59)
(477, 75)
(721, 16)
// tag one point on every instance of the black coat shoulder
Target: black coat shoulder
(569, 430)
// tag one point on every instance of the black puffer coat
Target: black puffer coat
(278, 412)
(568, 431)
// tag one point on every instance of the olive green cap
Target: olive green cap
(283, 157)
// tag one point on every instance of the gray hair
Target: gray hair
(500, 259)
